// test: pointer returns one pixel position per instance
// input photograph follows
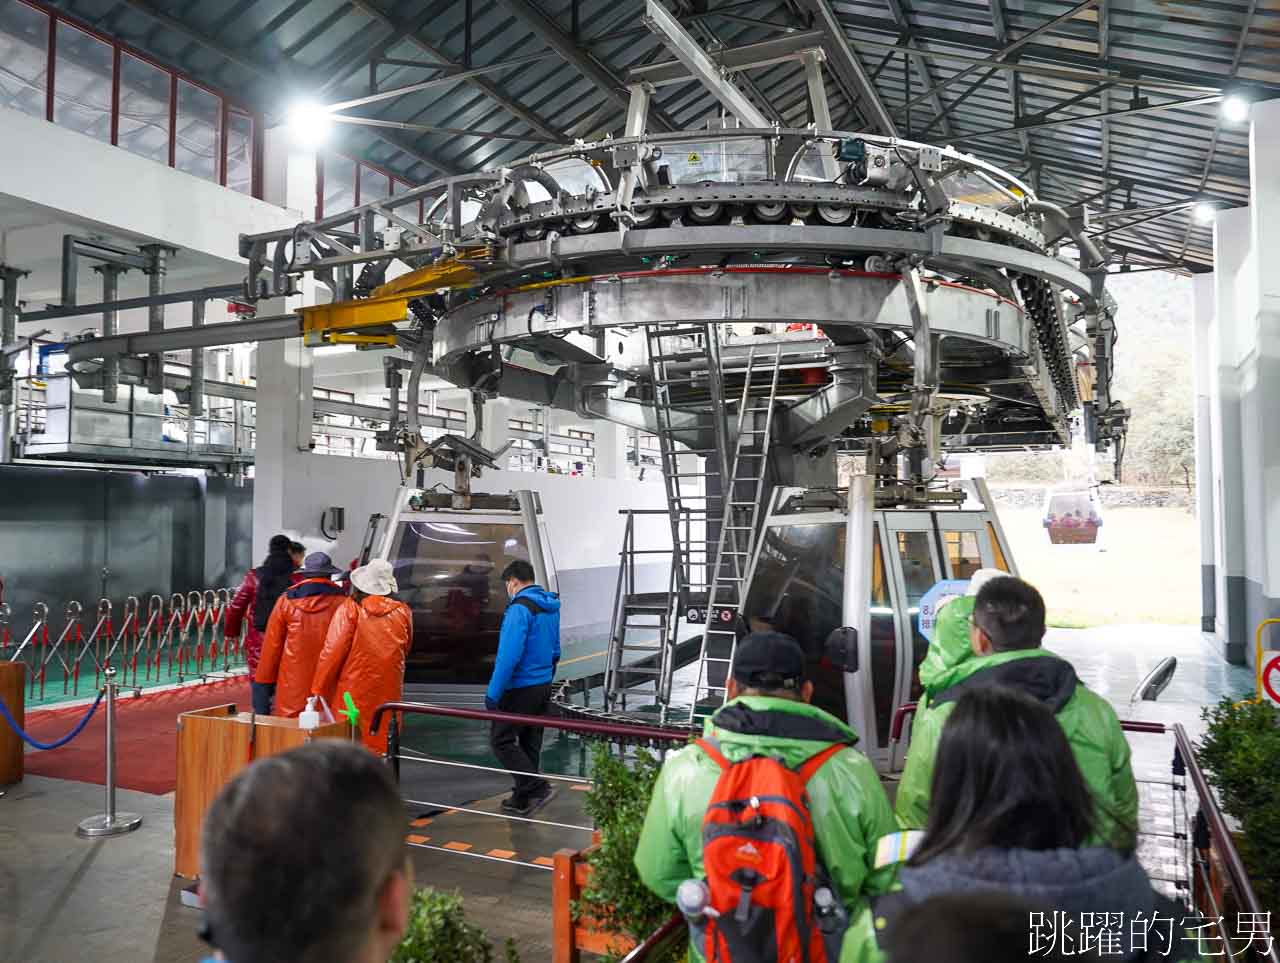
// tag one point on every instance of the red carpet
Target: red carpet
(146, 737)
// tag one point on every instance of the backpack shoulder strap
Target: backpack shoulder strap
(528, 603)
(817, 760)
(710, 747)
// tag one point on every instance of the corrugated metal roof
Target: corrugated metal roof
(266, 52)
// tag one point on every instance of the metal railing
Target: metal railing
(1212, 830)
(397, 754)
(187, 631)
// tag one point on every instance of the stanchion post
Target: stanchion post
(393, 745)
(110, 823)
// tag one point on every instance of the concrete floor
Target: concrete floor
(67, 899)
(64, 899)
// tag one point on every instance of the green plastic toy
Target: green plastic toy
(351, 712)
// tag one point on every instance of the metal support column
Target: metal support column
(690, 53)
(195, 404)
(159, 255)
(812, 60)
(9, 277)
(924, 385)
(110, 326)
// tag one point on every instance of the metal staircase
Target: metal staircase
(688, 400)
(689, 403)
(740, 525)
(643, 635)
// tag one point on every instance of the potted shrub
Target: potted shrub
(439, 933)
(1241, 755)
(608, 909)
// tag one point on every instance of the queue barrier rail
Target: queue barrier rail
(397, 755)
(187, 630)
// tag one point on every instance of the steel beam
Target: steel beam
(378, 122)
(1217, 127)
(275, 328)
(939, 108)
(611, 86)
(847, 66)
(218, 292)
(1141, 220)
(1085, 118)
(1007, 48)
(1022, 67)
(678, 40)
(448, 75)
(271, 75)
(745, 57)
(539, 124)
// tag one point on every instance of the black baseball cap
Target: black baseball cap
(769, 660)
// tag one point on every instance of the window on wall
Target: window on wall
(82, 83)
(339, 185)
(239, 152)
(24, 58)
(198, 136)
(144, 109)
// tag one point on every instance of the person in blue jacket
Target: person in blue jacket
(528, 650)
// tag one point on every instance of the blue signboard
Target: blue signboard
(935, 598)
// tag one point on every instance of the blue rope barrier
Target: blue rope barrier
(4, 712)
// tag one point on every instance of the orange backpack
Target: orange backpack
(770, 899)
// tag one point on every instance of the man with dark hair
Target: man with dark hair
(528, 650)
(303, 859)
(1006, 629)
(767, 713)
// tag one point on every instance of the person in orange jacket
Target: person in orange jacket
(365, 649)
(296, 633)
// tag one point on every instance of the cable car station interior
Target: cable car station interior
(723, 320)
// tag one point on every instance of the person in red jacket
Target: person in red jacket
(296, 632)
(254, 600)
(365, 650)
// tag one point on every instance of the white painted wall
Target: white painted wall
(76, 176)
(582, 517)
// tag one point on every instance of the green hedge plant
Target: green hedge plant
(439, 933)
(617, 802)
(1241, 754)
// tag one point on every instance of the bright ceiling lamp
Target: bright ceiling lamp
(1235, 109)
(310, 123)
(1203, 212)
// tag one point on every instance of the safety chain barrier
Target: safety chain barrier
(187, 632)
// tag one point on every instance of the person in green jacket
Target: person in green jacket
(950, 645)
(768, 712)
(1011, 827)
(1006, 629)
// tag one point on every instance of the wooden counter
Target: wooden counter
(213, 745)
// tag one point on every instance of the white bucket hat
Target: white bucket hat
(981, 577)
(376, 578)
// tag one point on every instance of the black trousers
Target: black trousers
(519, 748)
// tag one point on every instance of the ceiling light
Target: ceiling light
(330, 349)
(310, 123)
(1203, 212)
(1235, 109)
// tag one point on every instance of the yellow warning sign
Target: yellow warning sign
(695, 158)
